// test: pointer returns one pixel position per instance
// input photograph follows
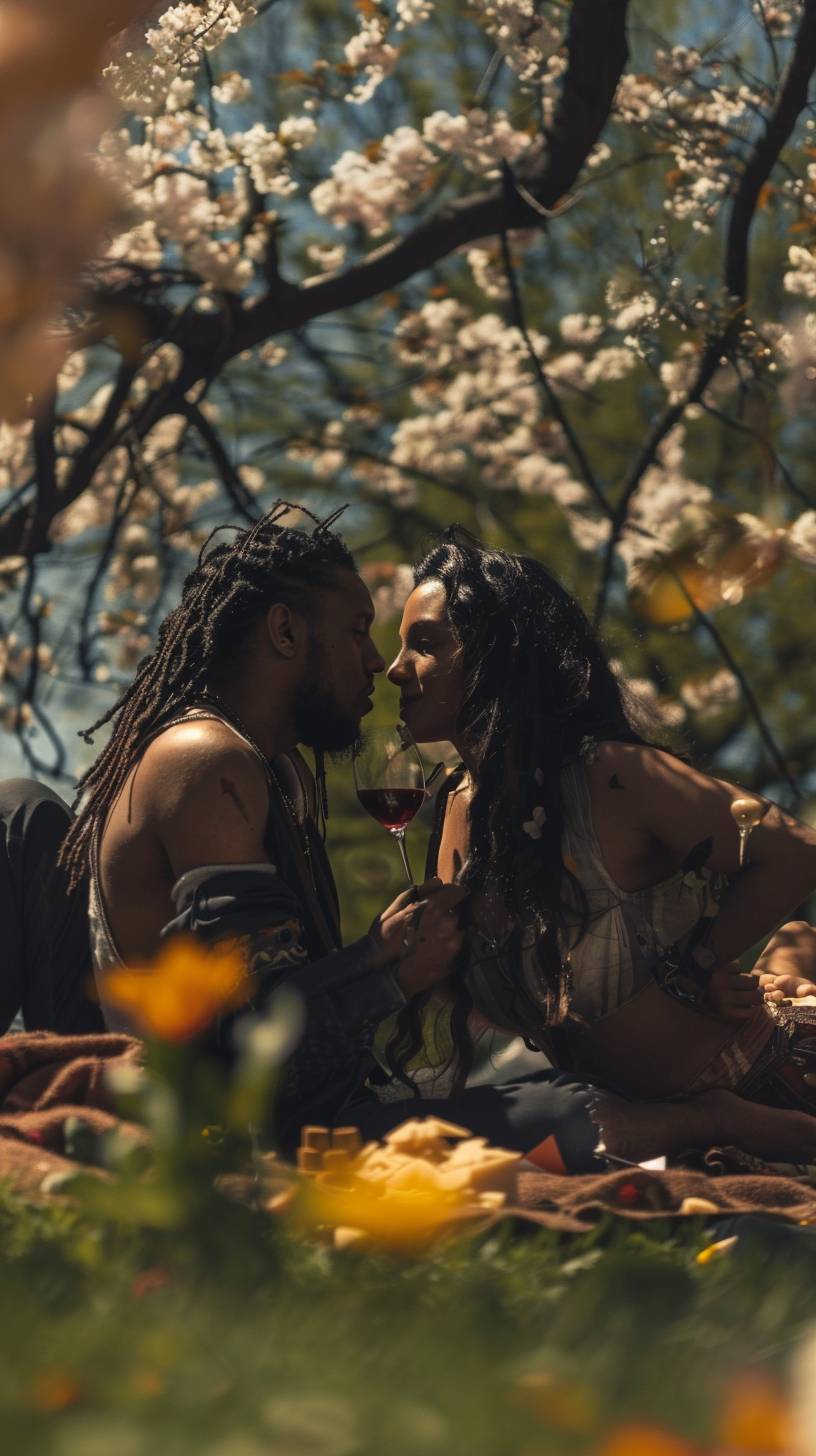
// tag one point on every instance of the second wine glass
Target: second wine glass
(390, 782)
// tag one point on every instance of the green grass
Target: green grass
(222, 1334)
(242, 1340)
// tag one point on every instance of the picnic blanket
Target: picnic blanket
(48, 1082)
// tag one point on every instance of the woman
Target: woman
(607, 906)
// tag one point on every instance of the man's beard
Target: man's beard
(320, 722)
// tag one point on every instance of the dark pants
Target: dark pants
(518, 1115)
(45, 960)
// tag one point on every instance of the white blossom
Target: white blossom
(327, 256)
(413, 12)
(707, 696)
(272, 353)
(678, 374)
(638, 309)
(479, 139)
(524, 32)
(140, 244)
(297, 132)
(265, 156)
(366, 190)
(370, 52)
(232, 88)
(581, 328)
(534, 825)
(610, 365)
(802, 538)
(488, 272)
(801, 279)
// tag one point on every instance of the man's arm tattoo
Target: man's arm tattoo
(228, 788)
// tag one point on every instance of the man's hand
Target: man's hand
(421, 931)
(731, 994)
(787, 966)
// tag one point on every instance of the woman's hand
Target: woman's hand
(787, 966)
(732, 994)
(420, 930)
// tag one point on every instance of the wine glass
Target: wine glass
(390, 781)
(746, 812)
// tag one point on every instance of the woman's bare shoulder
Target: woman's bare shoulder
(610, 756)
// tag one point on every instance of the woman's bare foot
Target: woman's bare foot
(636, 1131)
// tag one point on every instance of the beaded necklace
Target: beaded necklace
(300, 827)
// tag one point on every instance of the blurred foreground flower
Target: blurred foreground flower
(54, 1389)
(643, 1440)
(755, 1417)
(560, 1405)
(56, 204)
(183, 991)
(717, 565)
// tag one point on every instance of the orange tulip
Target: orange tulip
(183, 991)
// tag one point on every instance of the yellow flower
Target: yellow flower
(715, 1251)
(183, 990)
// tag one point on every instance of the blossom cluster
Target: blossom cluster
(369, 51)
(373, 187)
(700, 117)
(479, 409)
(526, 32)
(144, 79)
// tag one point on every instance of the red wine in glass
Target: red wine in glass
(393, 808)
(390, 782)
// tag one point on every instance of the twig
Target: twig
(792, 99)
(519, 318)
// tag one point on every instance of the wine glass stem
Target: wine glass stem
(399, 835)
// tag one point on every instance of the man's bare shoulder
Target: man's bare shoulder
(195, 761)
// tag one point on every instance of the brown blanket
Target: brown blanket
(46, 1081)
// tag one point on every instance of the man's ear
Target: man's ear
(287, 630)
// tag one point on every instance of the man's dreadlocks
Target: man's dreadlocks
(228, 590)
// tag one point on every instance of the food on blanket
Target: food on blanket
(746, 813)
(423, 1177)
(691, 1206)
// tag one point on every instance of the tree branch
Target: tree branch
(597, 50)
(545, 384)
(241, 498)
(792, 99)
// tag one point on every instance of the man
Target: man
(199, 815)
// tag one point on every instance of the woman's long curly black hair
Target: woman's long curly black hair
(536, 683)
